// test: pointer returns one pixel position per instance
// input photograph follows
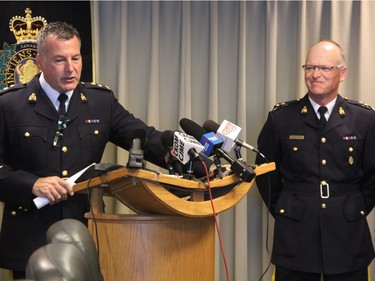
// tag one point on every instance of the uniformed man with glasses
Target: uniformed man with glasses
(324, 184)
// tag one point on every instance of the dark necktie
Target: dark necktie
(323, 119)
(62, 99)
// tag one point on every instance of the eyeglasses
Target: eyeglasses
(322, 68)
(61, 126)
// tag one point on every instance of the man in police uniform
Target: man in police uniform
(323, 186)
(36, 152)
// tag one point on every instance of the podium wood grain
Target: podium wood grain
(155, 248)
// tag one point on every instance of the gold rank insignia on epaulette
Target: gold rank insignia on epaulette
(95, 85)
(362, 104)
(12, 88)
(284, 104)
(366, 105)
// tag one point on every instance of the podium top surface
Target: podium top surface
(150, 192)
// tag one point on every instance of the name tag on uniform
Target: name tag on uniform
(296, 137)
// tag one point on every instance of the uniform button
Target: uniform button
(282, 211)
(324, 206)
(351, 149)
(323, 140)
(295, 148)
(64, 149)
(13, 213)
(96, 132)
(64, 173)
(362, 213)
(324, 162)
(27, 134)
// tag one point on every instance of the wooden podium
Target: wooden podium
(172, 236)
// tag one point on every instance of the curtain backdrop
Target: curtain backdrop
(227, 60)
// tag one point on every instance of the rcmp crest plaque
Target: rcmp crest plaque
(21, 21)
(18, 64)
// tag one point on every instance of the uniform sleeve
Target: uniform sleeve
(124, 123)
(367, 183)
(269, 184)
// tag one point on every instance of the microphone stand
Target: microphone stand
(238, 167)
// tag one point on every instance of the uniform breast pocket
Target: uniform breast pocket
(93, 138)
(24, 142)
(348, 152)
(297, 155)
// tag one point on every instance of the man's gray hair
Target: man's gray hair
(60, 30)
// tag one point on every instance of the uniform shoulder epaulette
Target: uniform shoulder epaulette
(12, 88)
(92, 85)
(284, 104)
(359, 103)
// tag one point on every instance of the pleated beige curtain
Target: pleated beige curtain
(225, 60)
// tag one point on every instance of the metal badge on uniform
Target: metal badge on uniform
(351, 160)
(304, 110)
(32, 98)
(83, 98)
(341, 112)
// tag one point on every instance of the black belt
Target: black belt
(324, 189)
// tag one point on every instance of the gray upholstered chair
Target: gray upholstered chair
(58, 262)
(75, 232)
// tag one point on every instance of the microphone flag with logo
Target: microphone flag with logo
(228, 132)
(186, 147)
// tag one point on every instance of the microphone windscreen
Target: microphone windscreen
(138, 134)
(167, 138)
(192, 128)
(211, 126)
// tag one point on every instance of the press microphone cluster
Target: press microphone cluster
(213, 145)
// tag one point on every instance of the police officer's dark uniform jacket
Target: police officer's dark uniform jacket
(323, 187)
(28, 123)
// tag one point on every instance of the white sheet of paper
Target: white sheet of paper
(43, 201)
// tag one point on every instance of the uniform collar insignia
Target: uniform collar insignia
(304, 110)
(32, 98)
(83, 98)
(341, 112)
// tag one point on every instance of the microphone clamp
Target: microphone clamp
(243, 171)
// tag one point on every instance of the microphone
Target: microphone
(228, 132)
(186, 147)
(170, 158)
(138, 139)
(210, 140)
(245, 172)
